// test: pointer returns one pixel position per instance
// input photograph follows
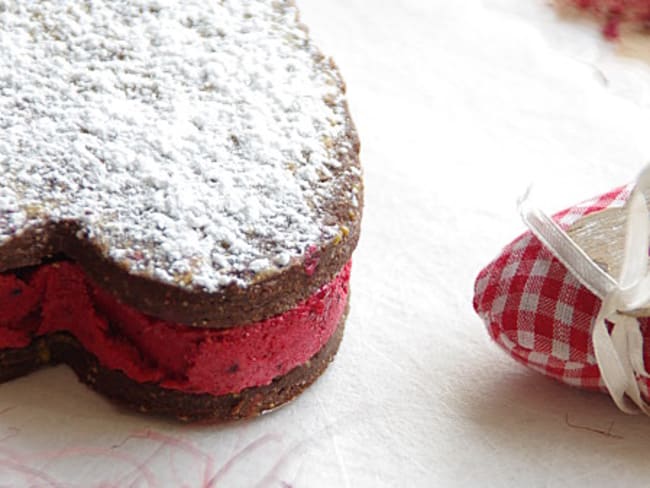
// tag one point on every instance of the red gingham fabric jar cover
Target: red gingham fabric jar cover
(538, 312)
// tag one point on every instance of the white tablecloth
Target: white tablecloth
(460, 106)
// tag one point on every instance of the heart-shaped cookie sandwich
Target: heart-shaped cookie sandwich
(180, 196)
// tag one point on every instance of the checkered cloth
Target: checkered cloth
(538, 311)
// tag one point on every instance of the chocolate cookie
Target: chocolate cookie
(181, 193)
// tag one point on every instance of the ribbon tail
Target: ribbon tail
(620, 337)
(609, 363)
(615, 361)
(635, 347)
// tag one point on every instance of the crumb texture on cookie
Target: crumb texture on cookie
(197, 143)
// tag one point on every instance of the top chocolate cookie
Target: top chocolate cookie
(200, 145)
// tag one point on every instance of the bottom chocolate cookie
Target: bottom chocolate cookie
(63, 348)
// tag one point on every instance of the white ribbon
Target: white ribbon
(619, 354)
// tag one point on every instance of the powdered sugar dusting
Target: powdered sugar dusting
(192, 140)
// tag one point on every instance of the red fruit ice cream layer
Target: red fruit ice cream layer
(58, 297)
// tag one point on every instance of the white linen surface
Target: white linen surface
(460, 106)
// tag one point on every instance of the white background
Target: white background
(460, 106)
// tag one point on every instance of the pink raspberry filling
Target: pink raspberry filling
(59, 298)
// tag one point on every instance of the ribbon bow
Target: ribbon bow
(619, 353)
